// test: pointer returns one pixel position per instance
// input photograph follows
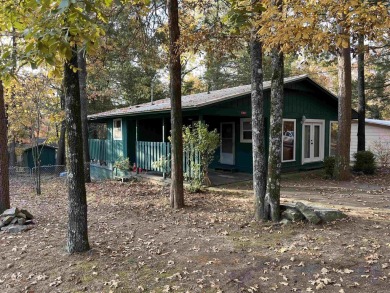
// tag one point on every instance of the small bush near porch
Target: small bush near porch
(139, 244)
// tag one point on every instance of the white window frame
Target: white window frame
(295, 139)
(242, 120)
(322, 140)
(330, 134)
(113, 128)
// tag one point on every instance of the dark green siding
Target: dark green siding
(301, 99)
(47, 157)
(297, 103)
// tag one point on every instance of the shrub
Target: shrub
(329, 163)
(122, 164)
(364, 162)
(381, 150)
(197, 138)
(163, 163)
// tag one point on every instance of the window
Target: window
(245, 130)
(117, 129)
(288, 140)
(334, 126)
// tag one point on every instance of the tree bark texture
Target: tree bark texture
(77, 210)
(60, 160)
(272, 198)
(4, 171)
(177, 190)
(258, 129)
(84, 110)
(362, 97)
(342, 168)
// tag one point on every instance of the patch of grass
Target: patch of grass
(146, 276)
(85, 271)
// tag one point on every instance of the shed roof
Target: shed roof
(377, 122)
(197, 100)
(41, 145)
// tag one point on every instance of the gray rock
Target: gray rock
(329, 215)
(292, 214)
(16, 228)
(308, 212)
(28, 215)
(285, 222)
(21, 215)
(21, 221)
(7, 219)
(11, 212)
(285, 206)
(14, 221)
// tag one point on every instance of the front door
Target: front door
(313, 141)
(227, 143)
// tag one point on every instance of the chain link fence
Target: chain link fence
(20, 175)
(38, 177)
(49, 172)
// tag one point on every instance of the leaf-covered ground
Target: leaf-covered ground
(140, 245)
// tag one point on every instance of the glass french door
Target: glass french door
(227, 143)
(313, 142)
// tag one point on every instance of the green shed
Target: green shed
(47, 156)
(141, 132)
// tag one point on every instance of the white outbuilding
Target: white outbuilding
(377, 135)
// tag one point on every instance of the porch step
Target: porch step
(227, 168)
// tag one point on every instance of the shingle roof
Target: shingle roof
(192, 101)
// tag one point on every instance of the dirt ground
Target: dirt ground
(139, 244)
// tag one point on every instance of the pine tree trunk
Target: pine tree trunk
(77, 211)
(60, 160)
(361, 134)
(258, 131)
(177, 190)
(272, 198)
(61, 141)
(84, 112)
(342, 168)
(4, 171)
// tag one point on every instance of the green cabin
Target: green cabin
(141, 132)
(47, 156)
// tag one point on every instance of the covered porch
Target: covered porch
(145, 141)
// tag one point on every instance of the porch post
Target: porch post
(163, 140)
(163, 130)
(136, 147)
